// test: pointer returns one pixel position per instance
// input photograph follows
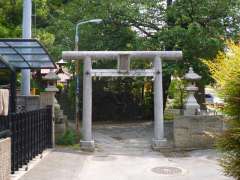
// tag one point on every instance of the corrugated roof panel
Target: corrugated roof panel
(25, 54)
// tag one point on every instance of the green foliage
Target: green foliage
(177, 92)
(229, 144)
(197, 27)
(5, 77)
(10, 18)
(45, 37)
(35, 84)
(168, 116)
(60, 86)
(68, 138)
(225, 69)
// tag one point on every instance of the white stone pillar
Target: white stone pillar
(26, 34)
(158, 140)
(87, 143)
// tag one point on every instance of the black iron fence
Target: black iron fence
(31, 133)
(4, 127)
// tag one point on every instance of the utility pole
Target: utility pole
(26, 34)
(77, 101)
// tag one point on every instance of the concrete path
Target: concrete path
(60, 164)
(123, 153)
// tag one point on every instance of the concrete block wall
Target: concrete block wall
(47, 99)
(5, 159)
(168, 130)
(28, 103)
(197, 132)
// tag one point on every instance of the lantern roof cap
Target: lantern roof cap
(191, 75)
(61, 62)
(51, 76)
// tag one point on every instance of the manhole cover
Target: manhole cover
(211, 158)
(103, 158)
(167, 170)
(117, 138)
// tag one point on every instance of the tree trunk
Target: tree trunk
(200, 95)
(169, 2)
(142, 95)
(166, 84)
(166, 77)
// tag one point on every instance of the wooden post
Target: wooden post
(13, 92)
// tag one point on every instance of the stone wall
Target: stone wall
(197, 132)
(168, 130)
(47, 99)
(28, 103)
(5, 159)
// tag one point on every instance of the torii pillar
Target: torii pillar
(87, 142)
(158, 141)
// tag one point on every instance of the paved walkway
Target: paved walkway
(123, 153)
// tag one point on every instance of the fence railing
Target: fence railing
(4, 127)
(31, 133)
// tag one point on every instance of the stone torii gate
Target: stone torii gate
(123, 70)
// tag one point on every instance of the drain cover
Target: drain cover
(167, 170)
(117, 138)
(103, 158)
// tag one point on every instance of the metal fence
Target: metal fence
(31, 133)
(4, 127)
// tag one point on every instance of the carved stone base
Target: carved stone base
(158, 144)
(87, 145)
(191, 111)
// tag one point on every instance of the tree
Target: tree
(197, 28)
(225, 70)
(10, 19)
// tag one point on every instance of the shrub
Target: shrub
(225, 69)
(60, 86)
(177, 92)
(68, 138)
(168, 116)
(229, 144)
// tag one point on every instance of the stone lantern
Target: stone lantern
(51, 79)
(61, 63)
(47, 98)
(191, 105)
